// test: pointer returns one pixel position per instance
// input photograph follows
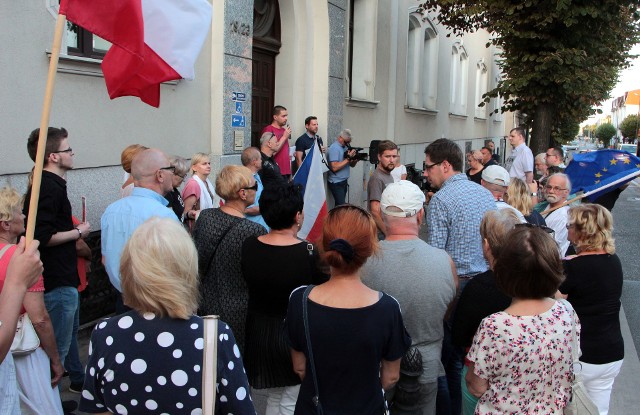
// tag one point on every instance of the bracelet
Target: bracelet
(534, 194)
(79, 233)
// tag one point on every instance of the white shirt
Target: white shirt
(398, 172)
(557, 220)
(520, 162)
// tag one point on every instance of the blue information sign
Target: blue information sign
(239, 107)
(238, 96)
(238, 121)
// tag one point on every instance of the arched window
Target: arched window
(361, 56)
(459, 79)
(422, 63)
(482, 81)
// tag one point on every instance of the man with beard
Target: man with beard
(453, 220)
(381, 177)
(306, 140)
(340, 160)
(557, 190)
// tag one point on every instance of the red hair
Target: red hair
(355, 226)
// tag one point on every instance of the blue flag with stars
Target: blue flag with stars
(594, 170)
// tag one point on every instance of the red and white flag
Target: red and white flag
(309, 175)
(153, 41)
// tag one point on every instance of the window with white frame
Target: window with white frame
(422, 63)
(482, 82)
(459, 79)
(497, 102)
(361, 57)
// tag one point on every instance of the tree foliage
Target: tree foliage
(558, 58)
(629, 126)
(605, 132)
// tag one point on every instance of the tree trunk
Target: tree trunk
(541, 134)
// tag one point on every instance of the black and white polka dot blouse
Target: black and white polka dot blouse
(143, 364)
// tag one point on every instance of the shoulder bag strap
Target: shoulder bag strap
(5, 249)
(305, 316)
(213, 254)
(210, 364)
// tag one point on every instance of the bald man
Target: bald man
(152, 177)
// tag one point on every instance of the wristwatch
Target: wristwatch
(534, 194)
(79, 233)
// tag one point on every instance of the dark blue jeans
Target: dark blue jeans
(339, 191)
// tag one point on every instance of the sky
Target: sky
(629, 79)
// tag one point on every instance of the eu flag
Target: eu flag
(594, 170)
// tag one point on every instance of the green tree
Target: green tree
(605, 132)
(629, 126)
(558, 57)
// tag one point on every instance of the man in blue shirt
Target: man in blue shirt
(153, 177)
(340, 166)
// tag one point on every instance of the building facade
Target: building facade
(375, 66)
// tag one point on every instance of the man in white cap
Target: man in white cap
(496, 179)
(422, 278)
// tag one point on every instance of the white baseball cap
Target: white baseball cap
(402, 199)
(496, 175)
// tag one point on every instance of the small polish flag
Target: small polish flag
(153, 41)
(309, 175)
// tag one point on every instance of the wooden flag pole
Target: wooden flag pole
(44, 127)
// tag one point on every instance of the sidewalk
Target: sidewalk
(625, 398)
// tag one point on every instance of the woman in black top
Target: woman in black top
(181, 167)
(593, 286)
(474, 161)
(273, 265)
(357, 335)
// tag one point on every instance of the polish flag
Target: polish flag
(309, 175)
(153, 41)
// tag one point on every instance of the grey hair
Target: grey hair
(266, 137)
(181, 165)
(346, 133)
(566, 178)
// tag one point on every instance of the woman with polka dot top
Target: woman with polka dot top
(149, 360)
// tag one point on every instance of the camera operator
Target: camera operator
(341, 158)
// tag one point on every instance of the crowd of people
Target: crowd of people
(476, 318)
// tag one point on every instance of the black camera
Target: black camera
(360, 154)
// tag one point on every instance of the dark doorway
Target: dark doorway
(266, 45)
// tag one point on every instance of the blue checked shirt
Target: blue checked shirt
(453, 222)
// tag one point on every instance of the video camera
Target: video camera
(360, 154)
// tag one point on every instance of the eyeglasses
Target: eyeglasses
(570, 225)
(69, 150)
(532, 225)
(554, 188)
(254, 187)
(430, 166)
(172, 169)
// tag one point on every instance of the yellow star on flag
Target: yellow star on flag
(597, 181)
(598, 174)
(613, 161)
(604, 169)
(627, 160)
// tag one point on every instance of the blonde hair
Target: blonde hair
(198, 158)
(231, 179)
(519, 196)
(159, 270)
(494, 227)
(128, 154)
(593, 225)
(476, 155)
(10, 199)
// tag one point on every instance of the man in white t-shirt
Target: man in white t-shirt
(557, 190)
(520, 163)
